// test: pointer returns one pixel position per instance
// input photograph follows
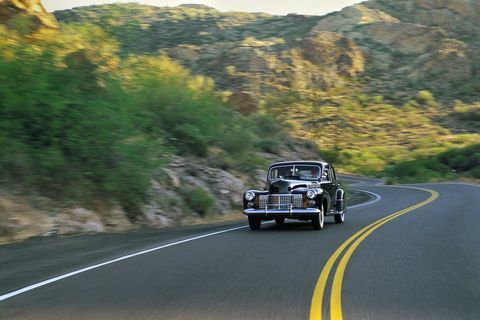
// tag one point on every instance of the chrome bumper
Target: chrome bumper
(272, 213)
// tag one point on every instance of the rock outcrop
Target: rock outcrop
(334, 52)
(28, 13)
(350, 17)
(413, 44)
(23, 216)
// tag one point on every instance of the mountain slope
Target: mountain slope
(372, 85)
(392, 48)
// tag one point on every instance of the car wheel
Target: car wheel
(339, 218)
(254, 223)
(318, 220)
(280, 221)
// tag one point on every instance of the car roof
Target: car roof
(321, 163)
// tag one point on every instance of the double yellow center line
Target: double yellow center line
(356, 239)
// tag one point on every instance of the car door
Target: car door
(328, 183)
(335, 184)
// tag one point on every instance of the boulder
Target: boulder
(462, 7)
(347, 19)
(330, 50)
(452, 57)
(405, 38)
(93, 226)
(244, 101)
(78, 220)
(155, 217)
(20, 220)
(116, 219)
(173, 178)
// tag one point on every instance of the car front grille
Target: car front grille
(262, 201)
(281, 201)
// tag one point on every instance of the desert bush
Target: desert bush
(199, 200)
(64, 128)
(426, 98)
(444, 166)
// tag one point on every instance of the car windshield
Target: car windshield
(295, 172)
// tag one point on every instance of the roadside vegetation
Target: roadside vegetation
(365, 135)
(78, 123)
(448, 165)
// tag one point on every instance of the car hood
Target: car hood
(287, 186)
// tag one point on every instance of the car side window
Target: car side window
(333, 175)
(326, 174)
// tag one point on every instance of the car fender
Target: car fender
(324, 197)
(257, 193)
(340, 204)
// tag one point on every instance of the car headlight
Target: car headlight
(311, 194)
(249, 195)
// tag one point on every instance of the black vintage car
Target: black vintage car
(302, 190)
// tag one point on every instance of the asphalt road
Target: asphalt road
(421, 263)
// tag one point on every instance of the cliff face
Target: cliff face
(396, 48)
(457, 16)
(414, 43)
(29, 13)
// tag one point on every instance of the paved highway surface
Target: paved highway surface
(411, 252)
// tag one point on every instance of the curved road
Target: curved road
(422, 261)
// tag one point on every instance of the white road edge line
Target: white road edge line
(96, 266)
(73, 273)
(377, 198)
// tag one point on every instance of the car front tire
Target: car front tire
(254, 223)
(318, 220)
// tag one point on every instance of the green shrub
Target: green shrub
(237, 140)
(199, 200)
(363, 99)
(269, 133)
(423, 170)
(250, 162)
(184, 110)
(426, 98)
(475, 173)
(446, 165)
(64, 128)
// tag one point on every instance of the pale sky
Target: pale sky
(314, 7)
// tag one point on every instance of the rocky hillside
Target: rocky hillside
(188, 191)
(426, 44)
(389, 48)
